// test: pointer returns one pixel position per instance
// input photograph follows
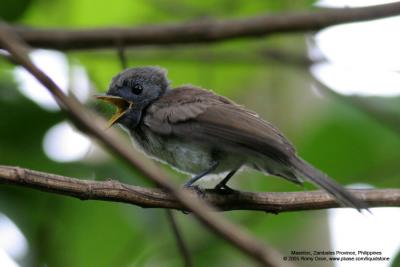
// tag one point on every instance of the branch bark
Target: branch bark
(261, 253)
(115, 191)
(201, 31)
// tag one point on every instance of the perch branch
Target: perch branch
(261, 253)
(205, 31)
(112, 190)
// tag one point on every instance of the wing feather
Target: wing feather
(202, 116)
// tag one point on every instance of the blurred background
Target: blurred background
(350, 129)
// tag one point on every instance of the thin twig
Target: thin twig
(183, 249)
(266, 256)
(115, 191)
(122, 55)
(201, 31)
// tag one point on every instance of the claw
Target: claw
(224, 189)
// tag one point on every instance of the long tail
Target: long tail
(342, 196)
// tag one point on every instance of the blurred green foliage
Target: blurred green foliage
(13, 10)
(335, 136)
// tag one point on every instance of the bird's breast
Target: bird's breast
(183, 155)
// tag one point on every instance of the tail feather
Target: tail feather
(342, 196)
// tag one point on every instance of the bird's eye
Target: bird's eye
(137, 89)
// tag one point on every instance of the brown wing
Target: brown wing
(202, 116)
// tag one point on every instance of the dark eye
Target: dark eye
(137, 89)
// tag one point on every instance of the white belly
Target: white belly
(188, 157)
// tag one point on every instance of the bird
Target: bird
(199, 133)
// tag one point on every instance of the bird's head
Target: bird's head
(132, 90)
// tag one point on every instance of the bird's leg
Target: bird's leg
(221, 186)
(200, 175)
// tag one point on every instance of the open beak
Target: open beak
(121, 104)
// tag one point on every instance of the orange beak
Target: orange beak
(121, 104)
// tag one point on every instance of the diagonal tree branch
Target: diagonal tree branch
(115, 191)
(201, 31)
(264, 255)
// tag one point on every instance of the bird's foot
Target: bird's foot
(223, 189)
